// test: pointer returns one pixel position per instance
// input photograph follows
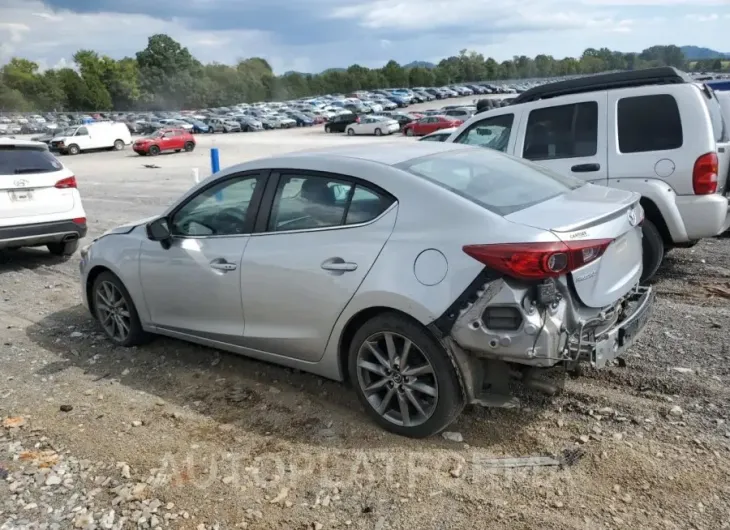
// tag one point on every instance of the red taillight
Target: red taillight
(357, 120)
(704, 175)
(66, 183)
(536, 261)
(79, 220)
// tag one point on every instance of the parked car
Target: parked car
(439, 136)
(92, 136)
(340, 122)
(421, 301)
(429, 124)
(165, 140)
(652, 131)
(40, 204)
(377, 125)
(222, 125)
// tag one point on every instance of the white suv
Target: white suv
(653, 131)
(40, 204)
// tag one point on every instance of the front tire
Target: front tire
(409, 132)
(154, 150)
(378, 132)
(327, 129)
(73, 149)
(403, 377)
(189, 146)
(116, 312)
(653, 250)
(63, 249)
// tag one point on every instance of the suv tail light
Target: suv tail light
(704, 175)
(64, 184)
(538, 261)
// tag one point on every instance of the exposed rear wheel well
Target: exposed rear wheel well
(355, 323)
(653, 214)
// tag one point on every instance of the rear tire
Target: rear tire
(118, 145)
(441, 410)
(653, 250)
(378, 132)
(63, 249)
(350, 132)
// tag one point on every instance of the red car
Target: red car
(165, 140)
(429, 124)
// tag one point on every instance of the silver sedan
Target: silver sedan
(425, 274)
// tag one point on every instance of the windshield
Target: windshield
(502, 184)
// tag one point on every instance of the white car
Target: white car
(97, 135)
(377, 125)
(40, 204)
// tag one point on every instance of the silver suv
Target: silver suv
(653, 131)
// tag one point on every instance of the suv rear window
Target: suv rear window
(19, 160)
(502, 184)
(649, 123)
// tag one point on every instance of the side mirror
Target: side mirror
(159, 230)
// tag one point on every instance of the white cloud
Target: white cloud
(703, 18)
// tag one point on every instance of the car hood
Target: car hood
(128, 227)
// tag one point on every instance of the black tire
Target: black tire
(327, 129)
(154, 150)
(137, 336)
(73, 149)
(409, 132)
(653, 250)
(189, 146)
(118, 145)
(350, 132)
(378, 132)
(178, 150)
(449, 402)
(63, 249)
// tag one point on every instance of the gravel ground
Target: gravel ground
(175, 435)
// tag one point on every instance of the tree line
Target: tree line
(165, 76)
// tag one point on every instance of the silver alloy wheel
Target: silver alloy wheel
(397, 379)
(113, 311)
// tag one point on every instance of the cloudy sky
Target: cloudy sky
(311, 35)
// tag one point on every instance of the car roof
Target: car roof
(663, 75)
(390, 154)
(5, 141)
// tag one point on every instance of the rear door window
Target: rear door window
(564, 131)
(17, 160)
(649, 123)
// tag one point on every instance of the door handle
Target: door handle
(586, 168)
(222, 265)
(338, 265)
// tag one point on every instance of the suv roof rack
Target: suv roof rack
(665, 75)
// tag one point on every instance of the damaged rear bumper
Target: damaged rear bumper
(542, 334)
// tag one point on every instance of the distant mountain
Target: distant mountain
(694, 53)
(419, 64)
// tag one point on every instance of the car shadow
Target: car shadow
(257, 396)
(28, 258)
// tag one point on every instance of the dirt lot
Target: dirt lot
(175, 435)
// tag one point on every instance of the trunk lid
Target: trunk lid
(595, 213)
(28, 176)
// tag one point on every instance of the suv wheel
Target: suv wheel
(403, 377)
(327, 129)
(653, 250)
